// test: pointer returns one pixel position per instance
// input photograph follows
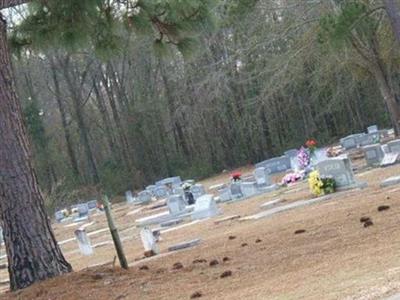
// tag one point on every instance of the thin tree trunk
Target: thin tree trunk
(32, 250)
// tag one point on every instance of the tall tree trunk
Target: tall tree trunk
(62, 110)
(32, 250)
(392, 9)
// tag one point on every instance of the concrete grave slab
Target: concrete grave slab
(390, 181)
(184, 245)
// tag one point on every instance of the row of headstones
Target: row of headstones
(243, 189)
(83, 210)
(373, 136)
(382, 155)
(160, 191)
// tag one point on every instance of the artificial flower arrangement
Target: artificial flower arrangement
(293, 177)
(321, 185)
(236, 176)
(303, 157)
(311, 145)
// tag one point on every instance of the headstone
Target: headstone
(394, 146)
(144, 197)
(59, 216)
(161, 192)
(205, 207)
(225, 194)
(129, 197)
(350, 141)
(389, 159)
(178, 190)
(83, 210)
(1, 236)
(372, 129)
(385, 149)
(92, 204)
(339, 168)
(291, 153)
(248, 188)
(174, 181)
(369, 139)
(197, 190)
(275, 165)
(83, 242)
(149, 241)
(373, 154)
(176, 204)
(150, 188)
(236, 192)
(262, 177)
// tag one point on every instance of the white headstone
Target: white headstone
(339, 168)
(129, 197)
(176, 204)
(84, 242)
(205, 207)
(1, 236)
(372, 129)
(148, 240)
(276, 164)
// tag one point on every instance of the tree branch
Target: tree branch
(11, 3)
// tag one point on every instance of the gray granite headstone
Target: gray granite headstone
(236, 191)
(262, 177)
(339, 168)
(161, 192)
(176, 204)
(83, 210)
(59, 216)
(394, 146)
(129, 197)
(197, 190)
(369, 139)
(144, 197)
(275, 165)
(92, 204)
(248, 188)
(350, 141)
(373, 154)
(291, 153)
(225, 194)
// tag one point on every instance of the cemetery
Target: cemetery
(199, 149)
(246, 237)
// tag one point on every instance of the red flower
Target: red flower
(236, 175)
(311, 143)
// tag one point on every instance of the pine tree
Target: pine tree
(32, 250)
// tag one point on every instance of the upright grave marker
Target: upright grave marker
(129, 197)
(339, 168)
(205, 207)
(373, 154)
(275, 165)
(262, 177)
(83, 242)
(176, 204)
(394, 146)
(144, 197)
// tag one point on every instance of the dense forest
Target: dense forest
(266, 77)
